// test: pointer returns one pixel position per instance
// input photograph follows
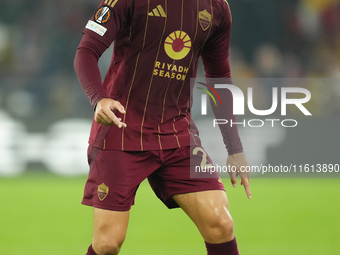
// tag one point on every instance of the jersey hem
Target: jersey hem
(146, 148)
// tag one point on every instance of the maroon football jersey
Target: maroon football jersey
(157, 44)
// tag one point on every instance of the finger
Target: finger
(117, 105)
(114, 118)
(123, 124)
(244, 176)
(233, 178)
(109, 118)
(245, 183)
(103, 119)
(233, 182)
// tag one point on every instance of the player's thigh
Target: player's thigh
(176, 175)
(109, 227)
(209, 210)
(204, 205)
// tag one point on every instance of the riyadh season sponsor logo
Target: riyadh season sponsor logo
(177, 45)
(240, 100)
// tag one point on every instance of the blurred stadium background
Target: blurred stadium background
(45, 120)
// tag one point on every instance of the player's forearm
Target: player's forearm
(220, 69)
(229, 132)
(87, 70)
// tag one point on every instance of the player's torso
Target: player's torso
(156, 53)
(155, 56)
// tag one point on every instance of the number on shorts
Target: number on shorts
(204, 156)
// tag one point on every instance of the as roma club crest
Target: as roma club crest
(103, 15)
(103, 190)
(205, 19)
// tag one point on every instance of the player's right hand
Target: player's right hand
(239, 162)
(104, 112)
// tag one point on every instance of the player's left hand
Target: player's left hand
(238, 164)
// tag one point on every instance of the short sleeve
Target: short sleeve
(108, 20)
(217, 46)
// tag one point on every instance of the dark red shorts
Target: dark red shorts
(115, 176)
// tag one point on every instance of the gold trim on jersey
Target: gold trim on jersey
(212, 18)
(188, 127)
(192, 56)
(166, 92)
(147, 97)
(231, 17)
(197, 19)
(108, 2)
(134, 73)
(158, 12)
(130, 33)
(191, 60)
(173, 126)
(212, 15)
(159, 138)
(182, 13)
